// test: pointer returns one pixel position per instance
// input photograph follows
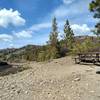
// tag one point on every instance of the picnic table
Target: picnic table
(90, 57)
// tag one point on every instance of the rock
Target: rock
(12, 86)
(26, 92)
(42, 82)
(11, 92)
(92, 91)
(98, 70)
(18, 91)
(77, 79)
(63, 85)
(52, 81)
(49, 94)
(72, 87)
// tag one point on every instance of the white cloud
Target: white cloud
(40, 26)
(80, 29)
(28, 32)
(75, 9)
(60, 12)
(67, 1)
(24, 34)
(11, 45)
(6, 37)
(10, 17)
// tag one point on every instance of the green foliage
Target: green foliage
(49, 53)
(41, 56)
(31, 55)
(87, 46)
(53, 40)
(68, 35)
(53, 53)
(95, 7)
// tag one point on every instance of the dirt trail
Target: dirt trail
(59, 79)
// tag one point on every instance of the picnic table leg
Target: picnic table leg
(77, 61)
(94, 62)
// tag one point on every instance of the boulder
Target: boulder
(98, 69)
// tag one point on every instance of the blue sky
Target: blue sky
(25, 22)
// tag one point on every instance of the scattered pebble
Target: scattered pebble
(77, 79)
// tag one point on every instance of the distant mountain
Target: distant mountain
(8, 50)
(82, 38)
(30, 52)
(18, 53)
(14, 50)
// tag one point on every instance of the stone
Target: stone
(77, 79)
(12, 86)
(91, 91)
(18, 91)
(26, 92)
(98, 70)
(49, 94)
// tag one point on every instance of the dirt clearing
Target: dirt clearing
(59, 79)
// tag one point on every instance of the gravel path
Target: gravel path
(59, 79)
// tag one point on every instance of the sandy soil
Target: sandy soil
(59, 79)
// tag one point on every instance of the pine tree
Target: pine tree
(54, 33)
(53, 40)
(95, 7)
(68, 35)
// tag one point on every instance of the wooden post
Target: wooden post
(97, 57)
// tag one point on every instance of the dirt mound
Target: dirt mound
(59, 79)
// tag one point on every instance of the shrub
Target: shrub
(86, 46)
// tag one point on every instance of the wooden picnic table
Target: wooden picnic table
(90, 57)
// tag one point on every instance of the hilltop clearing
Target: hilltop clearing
(59, 79)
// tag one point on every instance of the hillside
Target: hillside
(18, 50)
(17, 53)
(30, 52)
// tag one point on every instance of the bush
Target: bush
(49, 53)
(41, 56)
(87, 46)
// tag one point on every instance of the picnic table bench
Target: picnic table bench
(3, 63)
(90, 57)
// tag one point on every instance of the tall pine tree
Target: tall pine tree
(53, 40)
(54, 33)
(68, 35)
(95, 7)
